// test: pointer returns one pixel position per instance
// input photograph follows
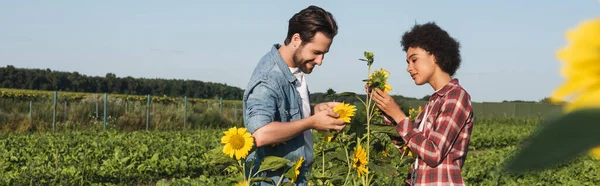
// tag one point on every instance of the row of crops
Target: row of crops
(195, 157)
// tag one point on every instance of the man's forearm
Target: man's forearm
(276, 132)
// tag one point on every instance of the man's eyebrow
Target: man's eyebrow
(318, 51)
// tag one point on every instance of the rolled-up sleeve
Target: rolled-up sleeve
(261, 106)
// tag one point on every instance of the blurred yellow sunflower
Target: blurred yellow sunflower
(346, 111)
(360, 161)
(242, 183)
(413, 113)
(237, 142)
(297, 166)
(596, 152)
(581, 60)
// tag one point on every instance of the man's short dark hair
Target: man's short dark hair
(433, 39)
(309, 21)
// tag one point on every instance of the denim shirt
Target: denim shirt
(271, 95)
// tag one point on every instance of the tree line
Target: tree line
(39, 79)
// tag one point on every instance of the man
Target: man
(276, 102)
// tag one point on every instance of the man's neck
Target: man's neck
(287, 54)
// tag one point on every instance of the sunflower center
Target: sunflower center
(237, 142)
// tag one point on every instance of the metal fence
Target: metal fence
(510, 109)
(103, 111)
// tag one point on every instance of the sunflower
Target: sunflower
(346, 111)
(242, 183)
(406, 149)
(596, 152)
(385, 153)
(360, 161)
(297, 166)
(378, 79)
(387, 87)
(380, 73)
(581, 58)
(413, 113)
(327, 136)
(237, 142)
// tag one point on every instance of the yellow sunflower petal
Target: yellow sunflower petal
(228, 150)
(225, 139)
(586, 32)
(570, 87)
(595, 152)
(590, 99)
(387, 88)
(241, 131)
(242, 183)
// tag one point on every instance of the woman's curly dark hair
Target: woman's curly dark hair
(436, 41)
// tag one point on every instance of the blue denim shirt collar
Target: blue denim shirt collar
(281, 64)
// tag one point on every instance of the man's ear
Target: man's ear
(296, 40)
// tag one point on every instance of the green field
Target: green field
(194, 157)
(41, 144)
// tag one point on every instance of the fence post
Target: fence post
(184, 112)
(97, 115)
(148, 113)
(30, 109)
(221, 106)
(235, 113)
(105, 100)
(66, 112)
(54, 113)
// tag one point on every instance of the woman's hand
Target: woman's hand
(386, 104)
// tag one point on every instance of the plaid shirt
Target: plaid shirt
(443, 144)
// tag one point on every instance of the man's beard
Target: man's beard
(299, 62)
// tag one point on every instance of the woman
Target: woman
(440, 134)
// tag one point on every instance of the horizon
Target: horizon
(158, 78)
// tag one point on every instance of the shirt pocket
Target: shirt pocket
(290, 115)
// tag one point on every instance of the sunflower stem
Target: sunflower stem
(349, 164)
(323, 160)
(368, 124)
(281, 178)
(243, 169)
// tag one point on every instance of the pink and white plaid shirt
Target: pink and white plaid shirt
(443, 144)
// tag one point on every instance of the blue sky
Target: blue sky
(508, 47)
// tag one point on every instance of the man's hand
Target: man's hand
(325, 106)
(325, 120)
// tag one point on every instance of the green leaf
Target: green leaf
(259, 179)
(385, 170)
(558, 141)
(338, 179)
(386, 129)
(362, 59)
(288, 184)
(319, 177)
(340, 155)
(272, 163)
(290, 173)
